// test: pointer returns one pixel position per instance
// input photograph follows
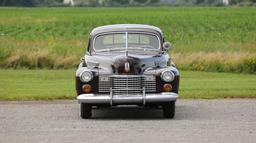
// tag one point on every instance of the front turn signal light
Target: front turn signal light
(167, 88)
(87, 88)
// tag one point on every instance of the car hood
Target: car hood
(120, 63)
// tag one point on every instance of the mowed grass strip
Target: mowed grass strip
(211, 85)
(37, 84)
(60, 84)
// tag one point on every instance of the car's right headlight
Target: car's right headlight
(86, 76)
(167, 76)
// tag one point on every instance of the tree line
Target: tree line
(32, 3)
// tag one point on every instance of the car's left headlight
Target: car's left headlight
(167, 76)
(86, 76)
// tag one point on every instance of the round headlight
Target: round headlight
(167, 76)
(86, 76)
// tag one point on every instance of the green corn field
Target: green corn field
(205, 38)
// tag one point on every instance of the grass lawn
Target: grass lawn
(59, 84)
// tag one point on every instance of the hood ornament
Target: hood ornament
(126, 67)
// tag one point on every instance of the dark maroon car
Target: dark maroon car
(127, 64)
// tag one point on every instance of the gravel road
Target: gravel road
(196, 121)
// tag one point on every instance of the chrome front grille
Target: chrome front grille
(127, 84)
(104, 84)
(149, 82)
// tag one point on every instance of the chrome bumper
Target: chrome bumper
(131, 99)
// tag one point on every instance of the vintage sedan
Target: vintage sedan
(127, 64)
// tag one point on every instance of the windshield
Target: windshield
(121, 41)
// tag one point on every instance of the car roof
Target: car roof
(125, 27)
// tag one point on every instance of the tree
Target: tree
(154, 1)
(122, 2)
(141, 1)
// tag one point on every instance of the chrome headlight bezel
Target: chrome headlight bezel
(86, 76)
(167, 76)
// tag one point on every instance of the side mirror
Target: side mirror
(167, 46)
(82, 59)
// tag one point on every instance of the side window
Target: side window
(110, 41)
(144, 39)
(113, 39)
(138, 39)
(133, 38)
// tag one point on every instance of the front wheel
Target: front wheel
(169, 109)
(86, 111)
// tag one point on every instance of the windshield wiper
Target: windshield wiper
(110, 49)
(144, 48)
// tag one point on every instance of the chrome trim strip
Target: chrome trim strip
(131, 76)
